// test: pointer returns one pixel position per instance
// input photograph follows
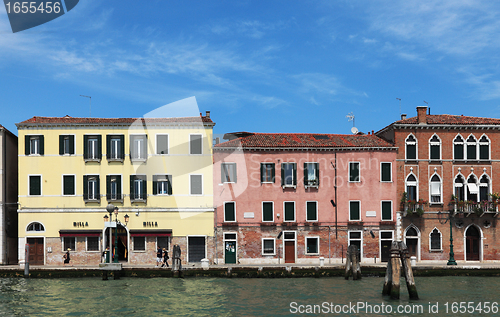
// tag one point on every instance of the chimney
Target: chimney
(422, 114)
(403, 116)
(208, 114)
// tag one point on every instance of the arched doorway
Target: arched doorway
(412, 241)
(122, 241)
(472, 243)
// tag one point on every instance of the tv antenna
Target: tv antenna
(426, 102)
(90, 100)
(399, 106)
(350, 117)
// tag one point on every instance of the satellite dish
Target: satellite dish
(354, 130)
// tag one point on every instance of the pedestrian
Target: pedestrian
(158, 257)
(165, 258)
(66, 257)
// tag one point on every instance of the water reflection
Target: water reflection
(222, 297)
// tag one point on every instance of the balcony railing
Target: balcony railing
(414, 208)
(473, 207)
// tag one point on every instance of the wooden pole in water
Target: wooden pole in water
(388, 279)
(356, 270)
(396, 272)
(348, 264)
(410, 281)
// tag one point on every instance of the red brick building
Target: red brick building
(447, 165)
(295, 198)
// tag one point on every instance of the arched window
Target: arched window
(35, 226)
(435, 189)
(412, 240)
(472, 188)
(484, 188)
(411, 187)
(459, 187)
(411, 147)
(435, 242)
(471, 148)
(435, 148)
(458, 148)
(484, 148)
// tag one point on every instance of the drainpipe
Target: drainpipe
(215, 235)
(329, 247)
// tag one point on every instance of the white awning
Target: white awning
(435, 188)
(472, 188)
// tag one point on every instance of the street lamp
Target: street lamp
(116, 236)
(451, 260)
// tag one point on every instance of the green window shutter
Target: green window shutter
(69, 185)
(386, 210)
(85, 187)
(71, 144)
(435, 152)
(305, 174)
(98, 188)
(311, 211)
(484, 152)
(223, 173)
(122, 147)
(229, 213)
(169, 185)
(386, 172)
(235, 173)
(108, 146)
(411, 152)
(459, 151)
(289, 211)
(317, 172)
(99, 147)
(267, 211)
(294, 174)
(132, 195)
(26, 145)
(145, 187)
(85, 147)
(61, 144)
(282, 174)
(145, 147)
(273, 176)
(262, 168)
(119, 187)
(35, 186)
(42, 145)
(155, 185)
(108, 187)
(354, 214)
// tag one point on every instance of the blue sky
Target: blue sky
(262, 66)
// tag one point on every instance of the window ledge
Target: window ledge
(229, 224)
(92, 200)
(92, 160)
(311, 253)
(115, 160)
(437, 251)
(268, 254)
(290, 186)
(435, 161)
(138, 200)
(436, 204)
(309, 186)
(138, 159)
(139, 251)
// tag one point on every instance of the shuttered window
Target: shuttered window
(267, 172)
(267, 211)
(354, 211)
(161, 144)
(138, 187)
(354, 172)
(66, 144)
(35, 186)
(195, 144)
(162, 184)
(386, 174)
(288, 174)
(387, 210)
(289, 211)
(312, 211)
(229, 211)
(69, 185)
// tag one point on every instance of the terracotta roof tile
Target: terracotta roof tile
(451, 119)
(303, 140)
(73, 120)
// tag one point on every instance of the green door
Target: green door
(230, 252)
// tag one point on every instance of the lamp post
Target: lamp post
(110, 208)
(451, 260)
(116, 236)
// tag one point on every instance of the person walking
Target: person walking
(165, 258)
(67, 257)
(158, 257)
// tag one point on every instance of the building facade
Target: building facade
(157, 171)
(296, 198)
(8, 197)
(447, 166)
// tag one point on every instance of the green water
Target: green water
(234, 297)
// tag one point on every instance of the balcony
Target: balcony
(472, 207)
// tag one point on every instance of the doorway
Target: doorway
(385, 245)
(230, 248)
(472, 246)
(121, 235)
(289, 240)
(36, 254)
(412, 241)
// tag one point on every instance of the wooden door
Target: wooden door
(412, 245)
(472, 244)
(230, 256)
(36, 248)
(289, 251)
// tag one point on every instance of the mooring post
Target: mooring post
(388, 279)
(176, 263)
(348, 264)
(356, 270)
(104, 275)
(396, 271)
(410, 281)
(27, 260)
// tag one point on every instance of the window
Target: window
(228, 172)
(411, 147)
(35, 185)
(386, 210)
(162, 184)
(115, 147)
(196, 185)
(92, 147)
(484, 148)
(139, 243)
(268, 246)
(138, 147)
(484, 188)
(113, 187)
(458, 148)
(138, 187)
(435, 148)
(66, 144)
(68, 185)
(312, 245)
(411, 187)
(163, 242)
(92, 243)
(288, 174)
(356, 238)
(33, 145)
(471, 148)
(267, 211)
(91, 187)
(35, 226)
(435, 189)
(354, 171)
(311, 174)
(230, 211)
(459, 188)
(472, 188)
(162, 144)
(435, 238)
(386, 172)
(312, 211)
(289, 207)
(267, 172)
(195, 144)
(69, 243)
(354, 211)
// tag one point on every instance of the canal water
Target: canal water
(245, 297)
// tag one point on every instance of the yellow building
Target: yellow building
(157, 171)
